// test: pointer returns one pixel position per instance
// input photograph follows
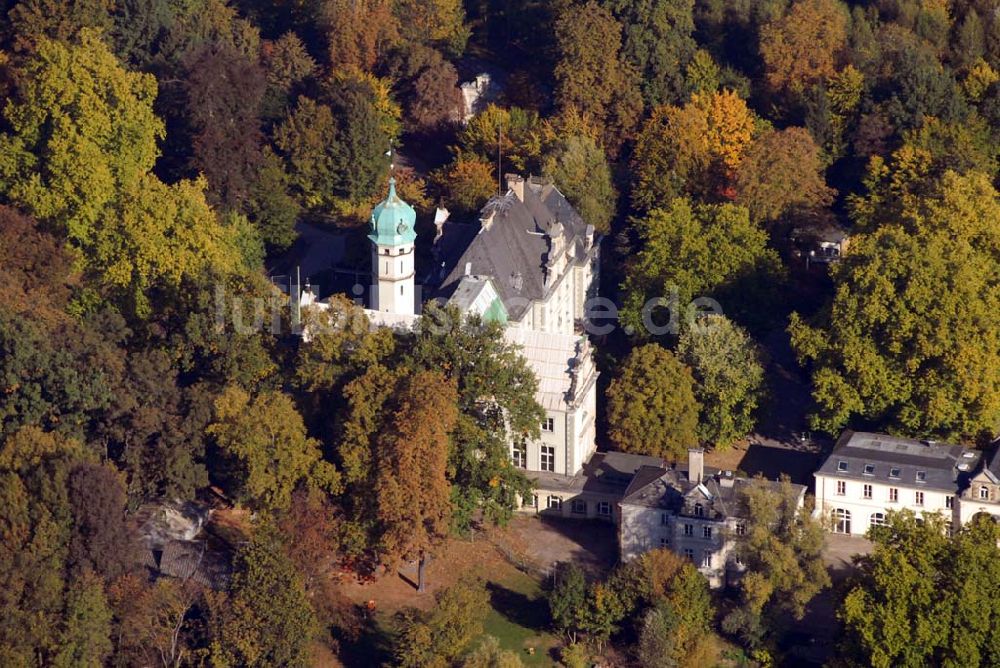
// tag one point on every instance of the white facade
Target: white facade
(393, 279)
(565, 305)
(695, 513)
(708, 543)
(567, 391)
(867, 475)
(852, 506)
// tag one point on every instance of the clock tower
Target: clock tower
(392, 236)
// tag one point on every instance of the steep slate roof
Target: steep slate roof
(669, 489)
(869, 456)
(513, 248)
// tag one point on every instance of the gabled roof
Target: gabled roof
(670, 489)
(511, 244)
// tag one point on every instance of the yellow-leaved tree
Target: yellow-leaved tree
(78, 156)
(694, 149)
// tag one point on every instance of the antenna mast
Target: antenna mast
(499, 154)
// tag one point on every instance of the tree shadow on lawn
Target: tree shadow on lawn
(518, 608)
(372, 647)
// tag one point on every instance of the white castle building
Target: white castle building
(530, 262)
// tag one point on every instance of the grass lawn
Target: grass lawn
(519, 618)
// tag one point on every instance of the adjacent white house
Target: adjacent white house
(982, 495)
(868, 474)
(695, 512)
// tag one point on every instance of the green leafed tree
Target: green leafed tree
(512, 135)
(266, 440)
(568, 600)
(922, 598)
(697, 250)
(34, 21)
(35, 527)
(85, 636)
(266, 620)
(907, 341)
(82, 143)
(659, 43)
(46, 383)
(667, 603)
(489, 654)
(652, 409)
(728, 375)
(82, 131)
(579, 168)
(782, 549)
(306, 139)
(497, 407)
(434, 639)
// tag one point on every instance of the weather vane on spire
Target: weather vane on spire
(391, 153)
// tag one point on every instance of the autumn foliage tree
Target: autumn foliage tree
(411, 481)
(467, 184)
(591, 74)
(694, 149)
(497, 408)
(805, 45)
(225, 92)
(358, 33)
(782, 170)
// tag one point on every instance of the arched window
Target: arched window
(841, 521)
(878, 519)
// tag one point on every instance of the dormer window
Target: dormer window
(699, 510)
(984, 493)
(842, 467)
(921, 476)
(869, 469)
(894, 473)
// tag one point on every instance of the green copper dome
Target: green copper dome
(393, 220)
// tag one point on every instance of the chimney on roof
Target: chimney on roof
(440, 218)
(486, 221)
(515, 183)
(696, 465)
